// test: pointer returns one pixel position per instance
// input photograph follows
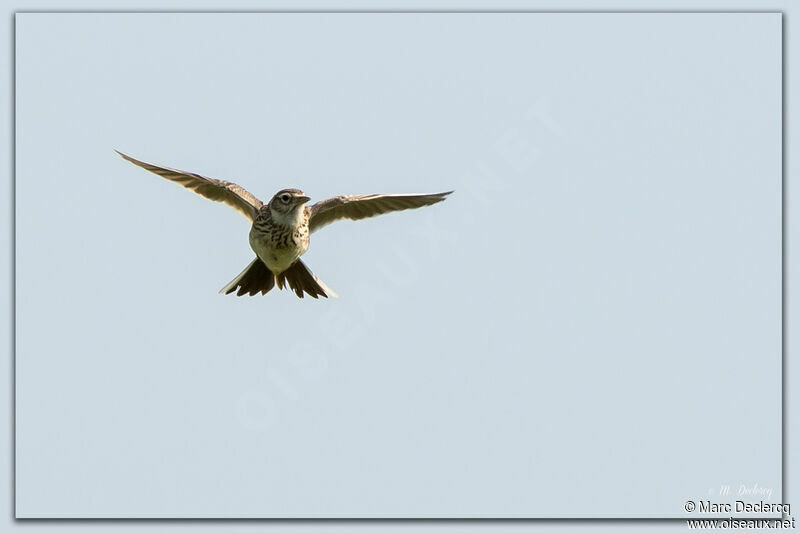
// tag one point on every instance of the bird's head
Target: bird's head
(287, 201)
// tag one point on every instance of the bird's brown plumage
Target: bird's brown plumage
(280, 229)
(218, 190)
(356, 207)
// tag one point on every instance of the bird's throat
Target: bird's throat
(293, 219)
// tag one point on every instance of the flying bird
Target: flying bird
(281, 228)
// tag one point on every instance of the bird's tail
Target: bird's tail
(301, 279)
(255, 277)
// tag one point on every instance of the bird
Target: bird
(280, 229)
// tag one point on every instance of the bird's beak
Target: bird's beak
(302, 200)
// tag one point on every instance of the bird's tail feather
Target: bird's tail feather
(301, 279)
(255, 277)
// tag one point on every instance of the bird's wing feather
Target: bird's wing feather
(218, 190)
(356, 207)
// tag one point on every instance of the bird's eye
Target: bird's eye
(285, 198)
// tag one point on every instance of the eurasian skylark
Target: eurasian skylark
(280, 230)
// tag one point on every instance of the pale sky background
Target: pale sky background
(602, 288)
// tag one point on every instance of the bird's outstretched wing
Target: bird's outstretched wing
(356, 207)
(218, 190)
